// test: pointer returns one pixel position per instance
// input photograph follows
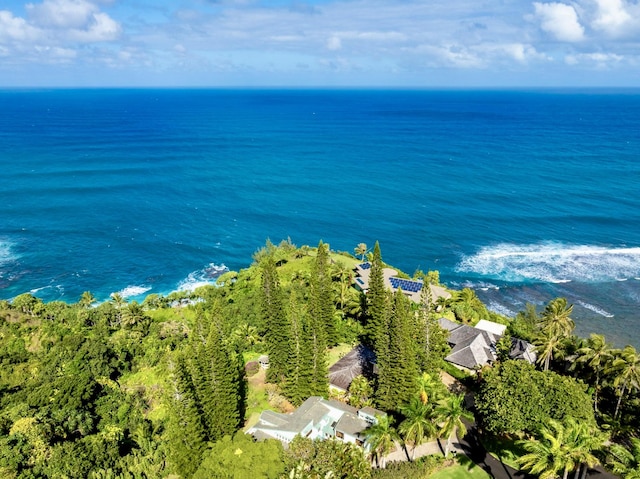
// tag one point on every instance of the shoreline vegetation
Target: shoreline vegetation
(164, 388)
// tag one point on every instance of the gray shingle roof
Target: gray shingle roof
(351, 425)
(473, 351)
(359, 361)
(471, 347)
(521, 349)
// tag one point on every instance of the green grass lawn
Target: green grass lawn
(464, 469)
(338, 353)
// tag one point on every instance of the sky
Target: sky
(320, 43)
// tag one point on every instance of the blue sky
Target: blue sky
(332, 43)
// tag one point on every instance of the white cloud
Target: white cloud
(16, 28)
(72, 21)
(451, 55)
(520, 52)
(55, 55)
(74, 14)
(373, 37)
(595, 60)
(334, 43)
(101, 28)
(612, 17)
(560, 20)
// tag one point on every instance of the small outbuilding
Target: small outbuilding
(264, 361)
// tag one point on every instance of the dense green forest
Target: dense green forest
(164, 388)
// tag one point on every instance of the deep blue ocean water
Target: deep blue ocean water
(523, 195)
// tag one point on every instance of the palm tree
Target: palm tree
(556, 318)
(380, 438)
(597, 355)
(546, 456)
(626, 367)
(419, 424)
(582, 440)
(118, 301)
(132, 314)
(87, 299)
(430, 388)
(450, 412)
(467, 307)
(360, 392)
(547, 344)
(626, 462)
(245, 336)
(562, 447)
(344, 275)
(361, 250)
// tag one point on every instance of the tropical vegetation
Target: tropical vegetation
(114, 388)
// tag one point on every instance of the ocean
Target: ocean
(522, 195)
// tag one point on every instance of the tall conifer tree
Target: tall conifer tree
(276, 324)
(321, 298)
(385, 379)
(223, 406)
(430, 335)
(210, 393)
(376, 302)
(398, 369)
(299, 383)
(187, 431)
(315, 333)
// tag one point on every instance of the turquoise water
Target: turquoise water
(523, 195)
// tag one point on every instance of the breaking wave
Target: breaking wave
(595, 309)
(501, 309)
(207, 275)
(6, 252)
(133, 291)
(553, 263)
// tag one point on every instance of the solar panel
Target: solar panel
(406, 284)
(365, 265)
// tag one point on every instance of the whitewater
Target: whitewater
(522, 195)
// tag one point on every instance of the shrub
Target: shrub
(252, 367)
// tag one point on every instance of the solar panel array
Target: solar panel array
(365, 265)
(406, 284)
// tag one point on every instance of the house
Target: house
(264, 361)
(473, 347)
(470, 347)
(521, 349)
(360, 361)
(317, 418)
(410, 287)
(496, 329)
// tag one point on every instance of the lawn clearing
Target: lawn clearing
(464, 469)
(337, 353)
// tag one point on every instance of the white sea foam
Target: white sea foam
(37, 290)
(481, 285)
(553, 263)
(595, 309)
(7, 254)
(501, 309)
(132, 291)
(202, 277)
